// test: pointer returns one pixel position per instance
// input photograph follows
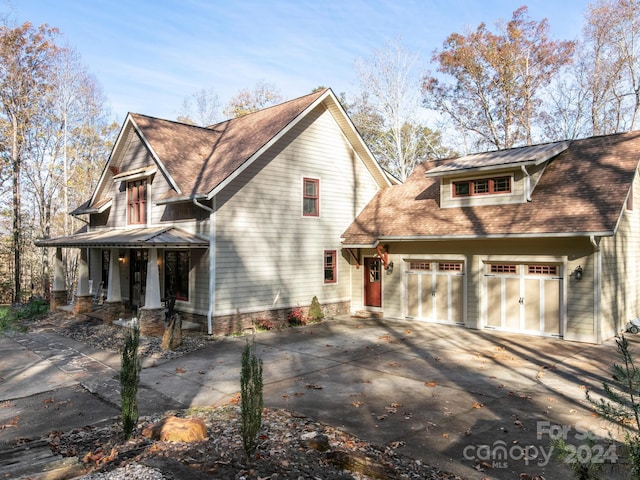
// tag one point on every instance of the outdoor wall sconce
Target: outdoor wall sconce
(389, 268)
(577, 273)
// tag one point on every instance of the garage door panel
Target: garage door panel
(524, 297)
(413, 296)
(457, 299)
(532, 305)
(552, 306)
(435, 290)
(494, 302)
(512, 303)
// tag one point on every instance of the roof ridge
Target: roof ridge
(211, 127)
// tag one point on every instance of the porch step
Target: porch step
(368, 314)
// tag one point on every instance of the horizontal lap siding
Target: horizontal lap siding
(267, 254)
(621, 271)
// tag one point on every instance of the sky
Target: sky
(148, 55)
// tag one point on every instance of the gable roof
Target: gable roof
(582, 192)
(199, 161)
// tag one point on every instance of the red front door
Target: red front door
(372, 282)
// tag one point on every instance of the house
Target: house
(235, 221)
(543, 240)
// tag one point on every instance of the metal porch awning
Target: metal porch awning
(152, 237)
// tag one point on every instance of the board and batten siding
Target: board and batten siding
(136, 156)
(268, 255)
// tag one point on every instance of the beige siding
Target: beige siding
(621, 271)
(517, 194)
(267, 254)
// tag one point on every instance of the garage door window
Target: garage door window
(420, 266)
(503, 268)
(542, 269)
(450, 267)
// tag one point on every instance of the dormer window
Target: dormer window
(482, 186)
(137, 202)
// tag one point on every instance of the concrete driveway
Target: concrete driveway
(477, 403)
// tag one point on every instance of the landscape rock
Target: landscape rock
(172, 337)
(175, 429)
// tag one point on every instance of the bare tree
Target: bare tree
(26, 54)
(387, 112)
(69, 127)
(248, 101)
(202, 108)
(611, 54)
(493, 82)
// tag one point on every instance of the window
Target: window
(330, 266)
(137, 202)
(483, 186)
(503, 268)
(311, 197)
(176, 274)
(450, 267)
(542, 269)
(419, 266)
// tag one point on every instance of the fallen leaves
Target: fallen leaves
(313, 386)
(431, 384)
(477, 405)
(180, 370)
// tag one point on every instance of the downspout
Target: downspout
(527, 183)
(212, 259)
(597, 278)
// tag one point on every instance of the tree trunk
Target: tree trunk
(17, 224)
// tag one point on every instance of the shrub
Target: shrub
(251, 398)
(296, 317)
(623, 404)
(129, 380)
(315, 310)
(264, 323)
(10, 317)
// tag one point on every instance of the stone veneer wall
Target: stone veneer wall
(228, 324)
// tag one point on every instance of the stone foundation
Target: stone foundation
(111, 311)
(240, 322)
(58, 299)
(151, 322)
(83, 304)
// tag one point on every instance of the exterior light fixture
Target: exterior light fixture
(389, 268)
(577, 273)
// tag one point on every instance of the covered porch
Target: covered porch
(121, 267)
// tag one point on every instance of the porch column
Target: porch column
(114, 293)
(59, 292)
(83, 302)
(152, 288)
(152, 314)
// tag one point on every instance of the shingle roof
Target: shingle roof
(582, 191)
(198, 159)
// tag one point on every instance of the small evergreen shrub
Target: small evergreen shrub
(623, 404)
(315, 310)
(129, 380)
(251, 398)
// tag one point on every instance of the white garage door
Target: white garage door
(523, 297)
(435, 291)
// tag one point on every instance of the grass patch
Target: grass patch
(12, 318)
